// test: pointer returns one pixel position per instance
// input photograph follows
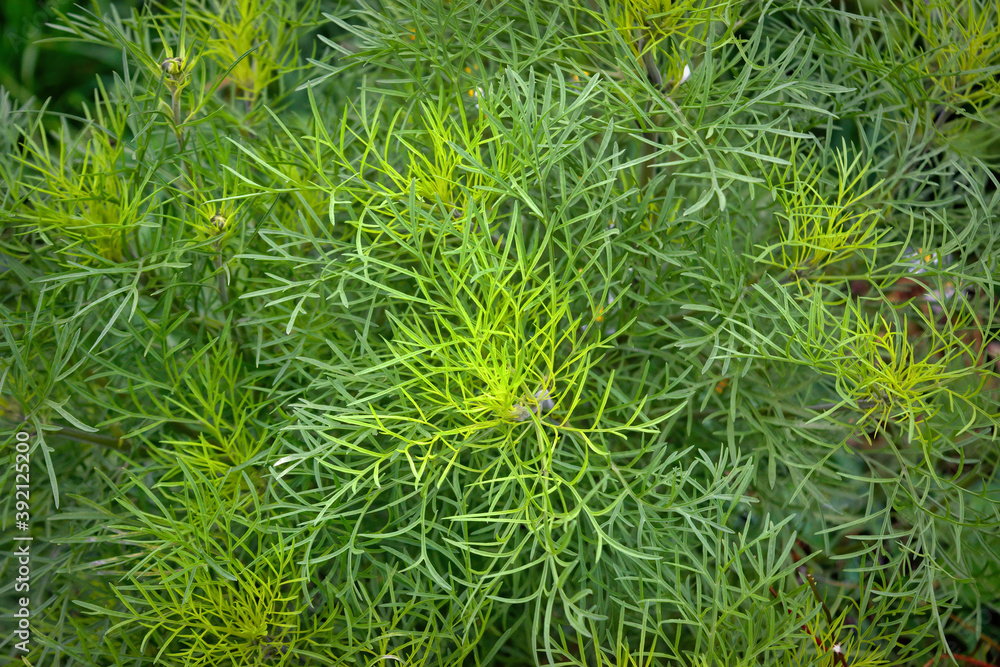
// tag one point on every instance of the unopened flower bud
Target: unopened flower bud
(172, 67)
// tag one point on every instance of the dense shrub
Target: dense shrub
(611, 332)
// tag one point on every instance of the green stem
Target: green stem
(656, 79)
(221, 278)
(92, 438)
(175, 109)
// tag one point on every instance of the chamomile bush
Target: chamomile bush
(524, 332)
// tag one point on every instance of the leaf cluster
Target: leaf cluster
(509, 332)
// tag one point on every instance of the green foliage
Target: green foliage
(62, 73)
(454, 332)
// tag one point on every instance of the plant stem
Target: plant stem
(864, 403)
(656, 79)
(92, 438)
(221, 277)
(983, 638)
(175, 109)
(815, 591)
(942, 118)
(961, 658)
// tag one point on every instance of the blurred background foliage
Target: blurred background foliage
(60, 71)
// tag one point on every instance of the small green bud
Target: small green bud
(173, 68)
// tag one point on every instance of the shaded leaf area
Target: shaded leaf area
(626, 332)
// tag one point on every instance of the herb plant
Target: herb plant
(524, 332)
